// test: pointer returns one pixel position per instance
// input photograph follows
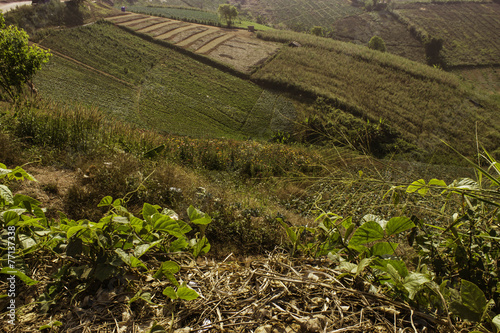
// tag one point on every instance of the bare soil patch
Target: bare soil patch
(239, 49)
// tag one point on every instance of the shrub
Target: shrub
(377, 43)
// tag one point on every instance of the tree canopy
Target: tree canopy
(377, 43)
(18, 60)
(227, 13)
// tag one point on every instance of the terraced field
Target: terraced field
(469, 30)
(156, 87)
(302, 14)
(237, 48)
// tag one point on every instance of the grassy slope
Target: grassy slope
(172, 91)
(422, 103)
(304, 14)
(469, 30)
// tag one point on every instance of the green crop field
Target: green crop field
(469, 30)
(424, 104)
(303, 14)
(201, 16)
(167, 90)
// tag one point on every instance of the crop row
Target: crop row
(422, 109)
(469, 30)
(172, 91)
(184, 14)
(304, 14)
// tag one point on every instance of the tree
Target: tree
(18, 60)
(318, 31)
(377, 43)
(227, 13)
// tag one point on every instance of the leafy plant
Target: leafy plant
(18, 60)
(98, 251)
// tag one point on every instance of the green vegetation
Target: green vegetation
(467, 30)
(227, 13)
(418, 102)
(18, 61)
(302, 15)
(178, 13)
(116, 244)
(377, 43)
(467, 246)
(146, 83)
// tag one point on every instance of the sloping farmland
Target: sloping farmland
(237, 48)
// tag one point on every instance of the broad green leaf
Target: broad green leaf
(104, 271)
(134, 262)
(123, 256)
(10, 217)
(362, 265)
(194, 213)
(19, 173)
(106, 201)
(73, 230)
(178, 245)
(170, 292)
(186, 293)
(168, 269)
(464, 312)
(168, 225)
(184, 227)
(348, 267)
(118, 203)
(437, 182)
(394, 274)
(148, 211)
(6, 194)
(201, 246)
(20, 199)
(121, 219)
(398, 265)
(290, 232)
(23, 277)
(414, 282)
(368, 232)
(203, 221)
(4, 171)
(496, 322)
(28, 223)
(397, 225)
(143, 248)
(383, 248)
(473, 297)
(145, 296)
(26, 241)
(418, 185)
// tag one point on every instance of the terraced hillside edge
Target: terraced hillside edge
(155, 86)
(423, 104)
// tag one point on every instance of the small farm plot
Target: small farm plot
(237, 48)
(469, 30)
(243, 52)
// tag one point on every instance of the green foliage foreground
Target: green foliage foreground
(99, 250)
(455, 272)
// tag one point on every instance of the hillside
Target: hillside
(154, 86)
(424, 105)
